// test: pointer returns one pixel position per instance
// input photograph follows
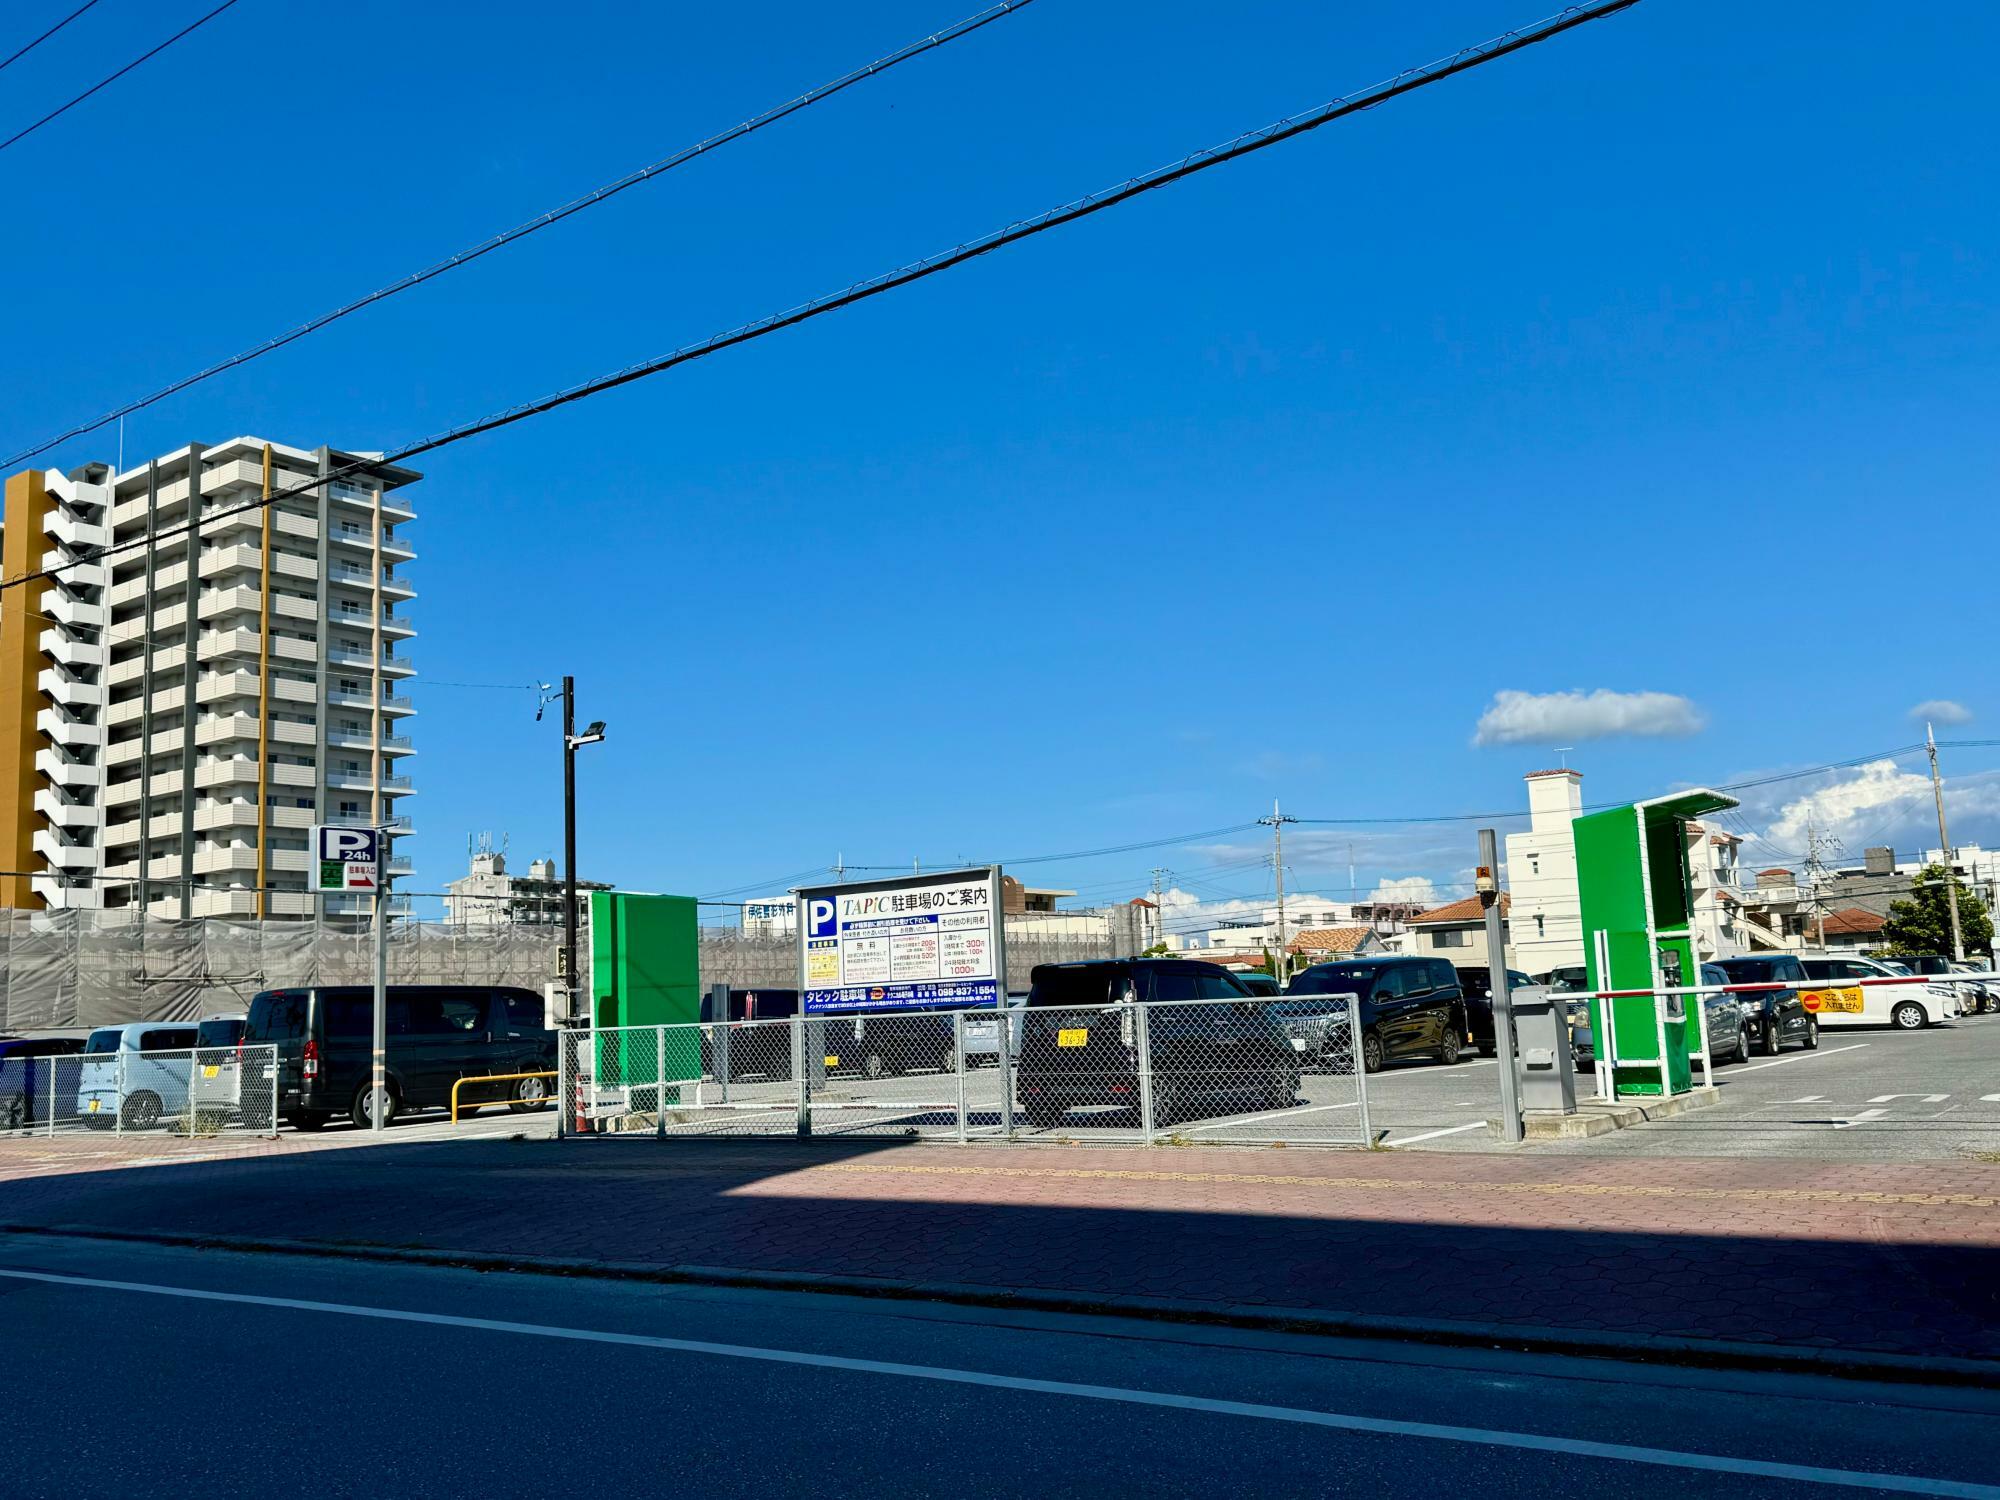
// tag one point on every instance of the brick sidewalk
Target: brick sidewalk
(1893, 1258)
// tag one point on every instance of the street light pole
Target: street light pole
(569, 842)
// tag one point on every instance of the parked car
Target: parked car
(1079, 1041)
(435, 1035)
(215, 1087)
(1907, 1007)
(34, 1086)
(1976, 995)
(1263, 986)
(1777, 1016)
(1410, 1007)
(754, 1051)
(1936, 965)
(1477, 981)
(982, 1033)
(1566, 978)
(1729, 1026)
(135, 1075)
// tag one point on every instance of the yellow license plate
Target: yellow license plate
(93, 1105)
(210, 1070)
(1073, 1036)
(833, 1062)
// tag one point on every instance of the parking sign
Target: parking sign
(912, 942)
(345, 859)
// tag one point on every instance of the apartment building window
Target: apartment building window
(1541, 926)
(1456, 937)
(1534, 864)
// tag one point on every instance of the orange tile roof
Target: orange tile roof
(1329, 940)
(1468, 910)
(1561, 771)
(1854, 920)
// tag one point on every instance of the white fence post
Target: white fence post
(799, 1073)
(660, 1085)
(118, 1095)
(1359, 1063)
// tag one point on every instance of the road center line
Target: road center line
(1668, 1458)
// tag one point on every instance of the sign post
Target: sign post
(912, 942)
(348, 861)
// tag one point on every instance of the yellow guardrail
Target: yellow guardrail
(494, 1078)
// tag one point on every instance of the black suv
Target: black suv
(1079, 1041)
(1410, 1007)
(1774, 1016)
(1477, 982)
(436, 1035)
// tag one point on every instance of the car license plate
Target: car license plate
(210, 1070)
(833, 1062)
(93, 1105)
(1073, 1036)
(1298, 1044)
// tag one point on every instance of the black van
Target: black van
(1410, 1007)
(436, 1035)
(870, 1043)
(1230, 1053)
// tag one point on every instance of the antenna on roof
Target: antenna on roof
(1562, 753)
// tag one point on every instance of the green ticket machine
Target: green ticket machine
(1637, 898)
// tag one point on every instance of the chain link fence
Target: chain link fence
(184, 1091)
(1237, 1072)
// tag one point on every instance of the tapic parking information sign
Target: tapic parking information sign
(917, 940)
(345, 859)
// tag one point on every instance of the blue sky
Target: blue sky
(1658, 359)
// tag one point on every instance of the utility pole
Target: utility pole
(1488, 886)
(1812, 876)
(569, 841)
(1944, 844)
(1159, 911)
(1277, 822)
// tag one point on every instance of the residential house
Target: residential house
(1318, 945)
(1457, 933)
(1547, 914)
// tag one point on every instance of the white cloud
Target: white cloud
(1941, 711)
(1415, 888)
(1876, 803)
(1518, 718)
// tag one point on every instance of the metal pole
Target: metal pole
(1360, 1071)
(1607, 1055)
(378, 1063)
(799, 1072)
(1701, 1016)
(660, 1087)
(1503, 999)
(569, 842)
(1944, 848)
(958, 1064)
(1142, 1038)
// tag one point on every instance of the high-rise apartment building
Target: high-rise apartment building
(176, 712)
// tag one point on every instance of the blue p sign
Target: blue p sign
(819, 918)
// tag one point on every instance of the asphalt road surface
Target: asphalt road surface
(142, 1370)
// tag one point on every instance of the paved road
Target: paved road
(371, 1380)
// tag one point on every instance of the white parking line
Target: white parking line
(1779, 1062)
(1535, 1442)
(1278, 1114)
(1865, 1115)
(1431, 1135)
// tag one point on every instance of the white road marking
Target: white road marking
(1866, 1114)
(1989, 1098)
(1921, 1098)
(1431, 1135)
(1667, 1458)
(1278, 1114)
(1807, 1099)
(1779, 1062)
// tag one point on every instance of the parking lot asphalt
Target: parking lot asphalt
(387, 1372)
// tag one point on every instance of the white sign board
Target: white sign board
(774, 914)
(345, 860)
(913, 942)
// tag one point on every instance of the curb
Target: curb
(1701, 1353)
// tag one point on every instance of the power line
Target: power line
(1198, 161)
(23, 52)
(540, 221)
(104, 83)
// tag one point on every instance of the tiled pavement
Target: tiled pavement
(1896, 1258)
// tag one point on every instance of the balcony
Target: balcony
(64, 853)
(71, 652)
(73, 533)
(56, 767)
(224, 728)
(68, 690)
(76, 613)
(67, 731)
(398, 625)
(63, 812)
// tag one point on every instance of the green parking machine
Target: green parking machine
(645, 971)
(1637, 898)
